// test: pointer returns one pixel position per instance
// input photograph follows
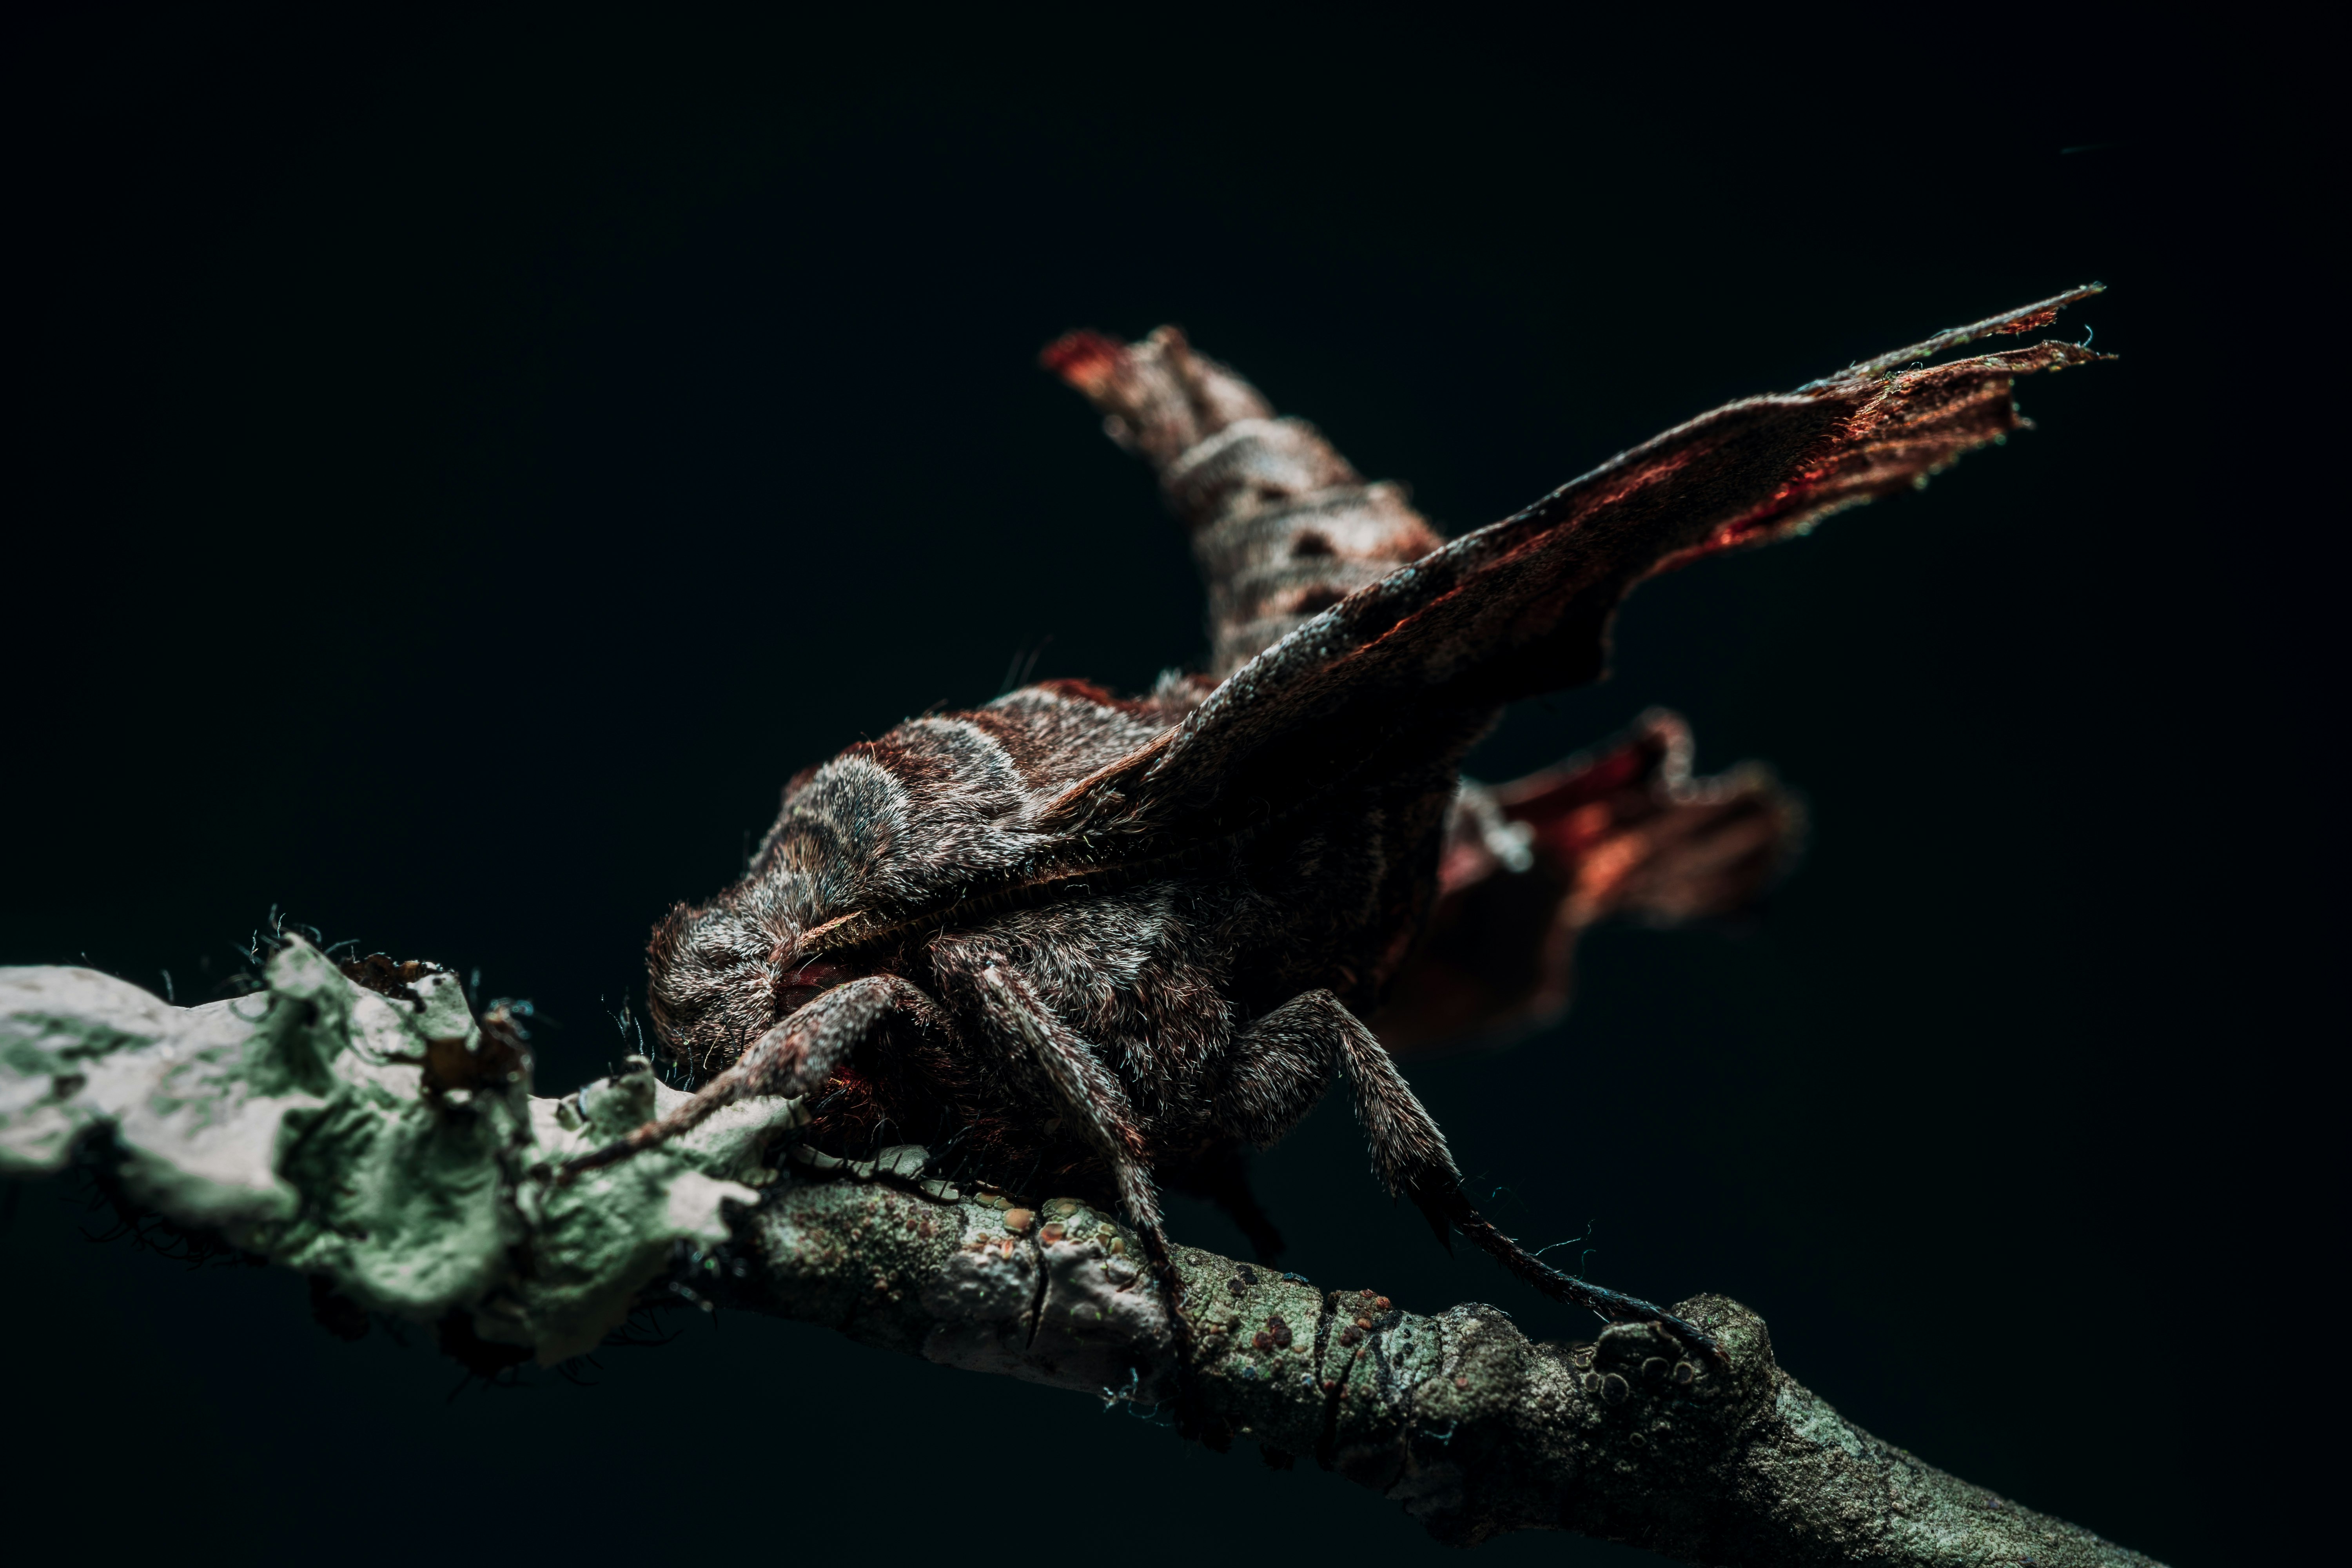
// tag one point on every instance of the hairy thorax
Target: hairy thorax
(930, 834)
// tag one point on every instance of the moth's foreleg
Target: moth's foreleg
(795, 1056)
(1411, 1158)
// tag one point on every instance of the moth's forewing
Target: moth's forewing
(1415, 663)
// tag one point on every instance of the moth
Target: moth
(1111, 941)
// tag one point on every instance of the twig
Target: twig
(387, 1146)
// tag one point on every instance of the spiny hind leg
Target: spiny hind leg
(1278, 1066)
(797, 1056)
(1450, 1206)
(1411, 1157)
(1281, 1064)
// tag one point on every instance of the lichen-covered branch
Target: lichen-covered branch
(1476, 1430)
(379, 1138)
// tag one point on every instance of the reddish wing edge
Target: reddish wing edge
(1523, 605)
(1623, 831)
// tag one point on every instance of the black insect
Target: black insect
(1106, 940)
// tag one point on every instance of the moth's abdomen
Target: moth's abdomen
(1282, 526)
(1276, 547)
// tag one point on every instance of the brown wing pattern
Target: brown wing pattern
(1418, 657)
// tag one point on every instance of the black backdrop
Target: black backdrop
(468, 461)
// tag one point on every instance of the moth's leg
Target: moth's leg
(1091, 1094)
(1088, 1092)
(795, 1056)
(1279, 1066)
(1410, 1154)
(1282, 1063)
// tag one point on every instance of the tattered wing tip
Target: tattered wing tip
(1084, 359)
(2024, 319)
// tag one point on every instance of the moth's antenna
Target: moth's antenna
(1018, 668)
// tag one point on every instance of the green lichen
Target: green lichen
(298, 1123)
(302, 1123)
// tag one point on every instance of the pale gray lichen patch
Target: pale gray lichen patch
(1100, 1315)
(195, 1097)
(595, 1242)
(71, 1055)
(984, 1295)
(296, 1123)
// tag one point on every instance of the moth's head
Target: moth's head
(710, 983)
(722, 974)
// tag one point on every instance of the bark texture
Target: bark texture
(357, 1124)
(1458, 1416)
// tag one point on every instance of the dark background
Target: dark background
(467, 460)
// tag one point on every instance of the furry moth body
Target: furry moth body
(1109, 942)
